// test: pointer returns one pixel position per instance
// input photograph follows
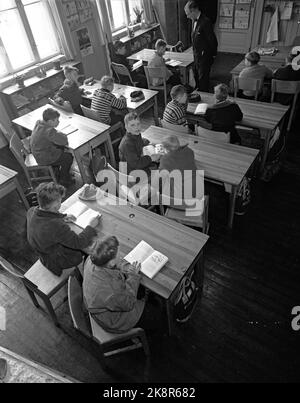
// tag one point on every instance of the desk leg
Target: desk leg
(184, 74)
(232, 206)
(78, 157)
(21, 193)
(155, 108)
(170, 316)
(268, 134)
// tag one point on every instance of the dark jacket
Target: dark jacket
(56, 244)
(205, 44)
(131, 151)
(47, 143)
(286, 73)
(223, 117)
(121, 59)
(72, 93)
(182, 160)
(111, 297)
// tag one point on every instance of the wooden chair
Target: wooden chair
(287, 87)
(41, 282)
(5, 133)
(182, 212)
(91, 329)
(175, 128)
(211, 135)
(179, 47)
(122, 71)
(65, 107)
(29, 164)
(157, 72)
(248, 84)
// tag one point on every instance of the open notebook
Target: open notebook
(82, 213)
(151, 260)
(200, 110)
(67, 129)
(173, 63)
(152, 150)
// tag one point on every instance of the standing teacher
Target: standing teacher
(204, 42)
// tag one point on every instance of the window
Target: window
(121, 12)
(27, 34)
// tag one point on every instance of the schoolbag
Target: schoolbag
(186, 299)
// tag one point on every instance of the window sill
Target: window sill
(30, 71)
(138, 31)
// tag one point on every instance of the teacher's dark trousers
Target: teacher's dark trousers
(202, 69)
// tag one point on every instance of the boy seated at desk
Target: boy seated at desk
(110, 109)
(132, 144)
(224, 114)
(158, 60)
(110, 290)
(254, 70)
(175, 112)
(70, 94)
(49, 234)
(119, 57)
(48, 146)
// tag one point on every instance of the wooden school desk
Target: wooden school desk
(89, 133)
(186, 60)
(130, 224)
(260, 115)
(272, 62)
(9, 183)
(224, 163)
(140, 107)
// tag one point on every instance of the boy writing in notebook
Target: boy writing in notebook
(175, 112)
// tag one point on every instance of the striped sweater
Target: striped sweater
(175, 113)
(103, 101)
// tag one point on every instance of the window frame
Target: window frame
(110, 15)
(33, 46)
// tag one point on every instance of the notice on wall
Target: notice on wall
(85, 44)
(234, 14)
(286, 10)
(77, 12)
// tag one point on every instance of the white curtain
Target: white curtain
(62, 29)
(148, 11)
(104, 29)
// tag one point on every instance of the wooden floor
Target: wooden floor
(240, 331)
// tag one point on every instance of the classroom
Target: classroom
(149, 193)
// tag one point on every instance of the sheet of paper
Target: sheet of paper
(201, 109)
(84, 219)
(173, 63)
(152, 265)
(139, 253)
(137, 65)
(76, 209)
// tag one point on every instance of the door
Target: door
(234, 26)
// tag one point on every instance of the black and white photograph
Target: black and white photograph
(149, 194)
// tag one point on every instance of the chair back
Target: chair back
(8, 267)
(67, 108)
(90, 113)
(5, 132)
(248, 84)
(157, 73)
(75, 300)
(210, 135)
(18, 150)
(179, 47)
(121, 70)
(175, 128)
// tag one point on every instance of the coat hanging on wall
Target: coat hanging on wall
(272, 34)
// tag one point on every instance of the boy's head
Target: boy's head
(107, 83)
(221, 92)
(51, 117)
(252, 58)
(71, 73)
(171, 143)
(105, 252)
(120, 48)
(179, 94)
(49, 196)
(160, 47)
(133, 123)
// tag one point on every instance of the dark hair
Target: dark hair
(118, 45)
(193, 4)
(47, 193)
(253, 57)
(50, 114)
(177, 90)
(104, 251)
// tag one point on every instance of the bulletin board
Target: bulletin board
(234, 14)
(77, 12)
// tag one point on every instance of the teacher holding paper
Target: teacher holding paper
(204, 43)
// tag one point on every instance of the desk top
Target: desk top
(260, 115)
(225, 163)
(125, 90)
(132, 224)
(88, 129)
(6, 174)
(146, 55)
(272, 62)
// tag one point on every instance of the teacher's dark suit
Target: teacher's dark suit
(205, 47)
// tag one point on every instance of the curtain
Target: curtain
(62, 29)
(104, 29)
(148, 11)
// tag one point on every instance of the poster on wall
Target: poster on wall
(77, 12)
(85, 44)
(234, 14)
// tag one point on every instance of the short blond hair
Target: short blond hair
(69, 70)
(171, 143)
(106, 82)
(221, 92)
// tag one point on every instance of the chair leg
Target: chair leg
(51, 311)
(33, 297)
(51, 170)
(145, 343)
